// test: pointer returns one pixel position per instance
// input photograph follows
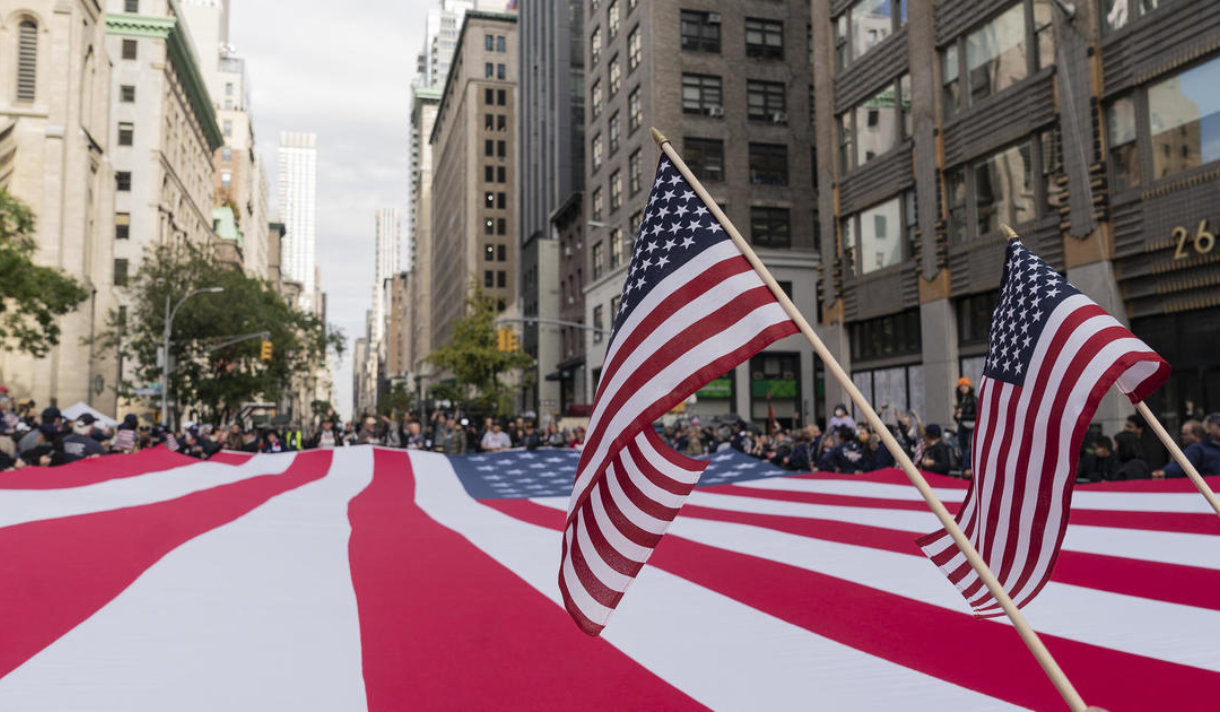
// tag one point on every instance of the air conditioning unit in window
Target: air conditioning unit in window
(713, 18)
(715, 112)
(597, 162)
(779, 117)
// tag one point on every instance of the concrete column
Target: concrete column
(741, 394)
(1096, 280)
(837, 340)
(938, 327)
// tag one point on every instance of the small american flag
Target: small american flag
(124, 440)
(1052, 355)
(171, 442)
(691, 309)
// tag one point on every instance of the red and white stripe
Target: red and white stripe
(366, 578)
(1025, 450)
(708, 316)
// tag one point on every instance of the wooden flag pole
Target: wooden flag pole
(1179, 456)
(1032, 641)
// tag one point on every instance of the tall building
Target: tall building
(55, 151)
(424, 103)
(730, 85)
(551, 171)
(398, 329)
(1084, 132)
(298, 189)
(474, 221)
(389, 255)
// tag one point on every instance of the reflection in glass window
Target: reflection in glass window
(700, 93)
(1004, 189)
(1185, 119)
(951, 86)
(705, 157)
(880, 236)
(955, 189)
(1115, 14)
(876, 125)
(865, 25)
(1121, 137)
(995, 54)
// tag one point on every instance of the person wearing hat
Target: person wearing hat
(935, 451)
(966, 414)
(78, 444)
(50, 416)
(328, 436)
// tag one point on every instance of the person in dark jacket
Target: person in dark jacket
(965, 414)
(1131, 465)
(1101, 464)
(935, 451)
(1152, 452)
(845, 456)
(876, 455)
(1202, 448)
(78, 444)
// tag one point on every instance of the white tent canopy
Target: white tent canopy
(79, 408)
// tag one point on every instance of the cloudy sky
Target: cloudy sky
(343, 71)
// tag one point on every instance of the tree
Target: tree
(32, 297)
(215, 378)
(397, 401)
(474, 360)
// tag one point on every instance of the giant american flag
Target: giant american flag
(369, 578)
(692, 308)
(1052, 354)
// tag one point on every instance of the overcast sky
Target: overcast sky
(342, 71)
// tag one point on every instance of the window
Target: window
(615, 133)
(501, 253)
(122, 180)
(612, 18)
(131, 5)
(489, 43)
(226, 179)
(501, 97)
(501, 201)
(501, 122)
(1185, 120)
(489, 226)
(705, 157)
(769, 227)
(489, 70)
(120, 273)
(228, 128)
(489, 96)
(702, 94)
(876, 125)
(228, 88)
(598, 204)
(616, 191)
(597, 152)
(974, 317)
(1121, 137)
(865, 25)
(489, 200)
(501, 174)
(501, 71)
(595, 45)
(501, 149)
(599, 323)
(489, 278)
(226, 154)
(126, 133)
(768, 164)
(1004, 189)
(122, 226)
(501, 226)
(489, 148)
(634, 172)
(767, 101)
(876, 236)
(127, 93)
(501, 279)
(489, 174)
(616, 75)
(1117, 14)
(637, 219)
(635, 51)
(995, 56)
(887, 337)
(27, 60)
(700, 31)
(501, 43)
(955, 187)
(598, 259)
(595, 98)
(489, 122)
(129, 49)
(635, 113)
(616, 247)
(764, 38)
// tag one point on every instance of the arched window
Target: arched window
(27, 59)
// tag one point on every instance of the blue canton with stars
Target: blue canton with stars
(676, 226)
(1029, 293)
(549, 473)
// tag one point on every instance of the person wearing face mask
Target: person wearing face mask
(876, 455)
(840, 419)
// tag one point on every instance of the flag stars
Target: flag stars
(687, 242)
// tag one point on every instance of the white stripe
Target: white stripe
(21, 506)
(703, 643)
(634, 514)
(610, 532)
(592, 610)
(597, 565)
(1134, 377)
(663, 464)
(258, 614)
(645, 486)
(666, 380)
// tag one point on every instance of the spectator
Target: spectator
(1153, 452)
(327, 436)
(78, 444)
(935, 451)
(531, 440)
(496, 439)
(271, 442)
(1099, 465)
(454, 442)
(845, 456)
(1202, 448)
(876, 456)
(1131, 464)
(50, 416)
(965, 415)
(841, 418)
(415, 439)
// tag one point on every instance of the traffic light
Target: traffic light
(514, 343)
(502, 339)
(265, 352)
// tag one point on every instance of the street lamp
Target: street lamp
(169, 327)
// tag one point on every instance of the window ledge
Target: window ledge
(1002, 96)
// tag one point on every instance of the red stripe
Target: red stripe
(589, 581)
(443, 625)
(59, 572)
(979, 655)
(642, 502)
(660, 479)
(231, 457)
(612, 557)
(889, 476)
(93, 470)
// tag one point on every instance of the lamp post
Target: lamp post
(169, 327)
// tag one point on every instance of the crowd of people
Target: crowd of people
(29, 437)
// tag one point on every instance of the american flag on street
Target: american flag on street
(1052, 355)
(692, 308)
(369, 578)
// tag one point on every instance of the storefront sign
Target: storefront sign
(719, 388)
(774, 388)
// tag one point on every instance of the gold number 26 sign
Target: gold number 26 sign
(1204, 241)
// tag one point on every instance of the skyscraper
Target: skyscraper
(298, 186)
(389, 238)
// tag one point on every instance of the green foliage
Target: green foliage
(474, 361)
(32, 297)
(217, 380)
(322, 409)
(396, 402)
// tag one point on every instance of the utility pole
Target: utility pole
(169, 328)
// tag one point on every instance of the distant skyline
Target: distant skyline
(345, 74)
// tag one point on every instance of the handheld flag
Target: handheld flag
(692, 308)
(1052, 354)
